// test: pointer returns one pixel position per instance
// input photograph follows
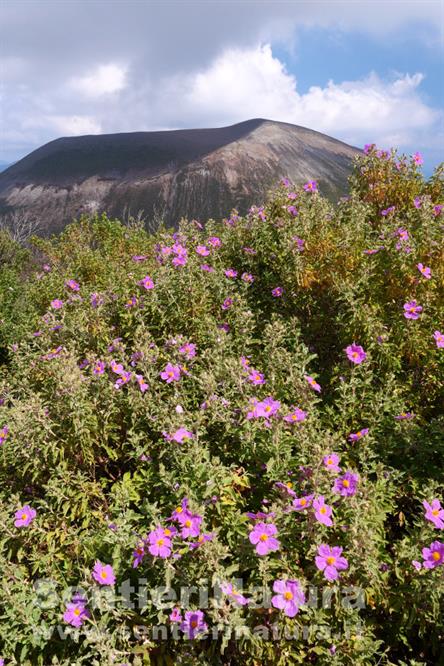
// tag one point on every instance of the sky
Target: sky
(360, 71)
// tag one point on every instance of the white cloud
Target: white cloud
(65, 125)
(103, 80)
(254, 83)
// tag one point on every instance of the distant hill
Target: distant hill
(4, 165)
(196, 173)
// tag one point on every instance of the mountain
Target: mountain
(196, 173)
(4, 165)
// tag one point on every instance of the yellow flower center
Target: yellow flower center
(346, 483)
(330, 560)
(179, 509)
(355, 354)
(435, 512)
(303, 502)
(436, 556)
(159, 542)
(103, 574)
(188, 523)
(77, 611)
(268, 408)
(193, 624)
(288, 596)
(24, 516)
(263, 537)
(167, 532)
(322, 510)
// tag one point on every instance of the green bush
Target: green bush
(206, 370)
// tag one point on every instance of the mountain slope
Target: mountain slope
(193, 173)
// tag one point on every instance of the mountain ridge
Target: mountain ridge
(197, 173)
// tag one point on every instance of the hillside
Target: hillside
(200, 173)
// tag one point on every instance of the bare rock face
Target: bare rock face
(172, 174)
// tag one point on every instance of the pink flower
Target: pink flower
(202, 250)
(263, 537)
(264, 409)
(214, 241)
(138, 554)
(289, 596)
(311, 186)
(247, 277)
(412, 310)
(125, 378)
(346, 485)
(72, 284)
(329, 561)
(256, 377)
(24, 516)
(159, 543)
(4, 432)
(230, 273)
(230, 591)
(356, 436)
(76, 613)
(171, 373)
(425, 271)
(226, 305)
(103, 573)
(142, 383)
(434, 513)
(206, 268)
(277, 292)
(99, 368)
(293, 210)
(313, 383)
(181, 435)
(146, 283)
(188, 349)
(301, 503)
(193, 624)
(56, 304)
(323, 511)
(433, 556)
(117, 368)
(439, 339)
(418, 159)
(190, 523)
(175, 615)
(296, 416)
(355, 353)
(331, 462)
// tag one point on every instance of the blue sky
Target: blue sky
(360, 71)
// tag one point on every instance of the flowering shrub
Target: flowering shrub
(236, 462)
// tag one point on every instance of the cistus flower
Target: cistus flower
(263, 409)
(330, 561)
(311, 186)
(171, 373)
(313, 383)
(293, 210)
(417, 159)
(434, 513)
(412, 310)
(142, 383)
(193, 624)
(117, 368)
(125, 378)
(404, 416)
(190, 524)
(175, 615)
(286, 487)
(76, 613)
(226, 305)
(301, 503)
(188, 349)
(346, 485)
(256, 377)
(202, 250)
(146, 282)
(356, 436)
(159, 543)
(289, 596)
(247, 277)
(24, 516)
(72, 284)
(206, 268)
(103, 573)
(331, 461)
(277, 292)
(181, 435)
(138, 554)
(355, 353)
(201, 539)
(230, 273)
(214, 241)
(439, 339)
(323, 511)
(56, 304)
(296, 416)
(425, 271)
(433, 556)
(263, 537)
(230, 591)
(4, 432)
(99, 367)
